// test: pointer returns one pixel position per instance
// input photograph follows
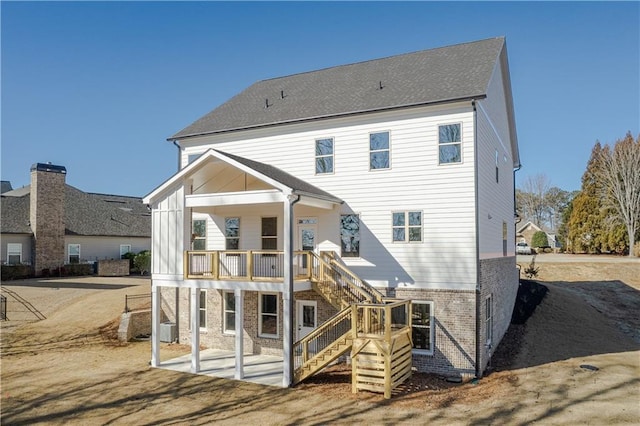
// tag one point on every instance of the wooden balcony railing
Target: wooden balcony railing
(250, 265)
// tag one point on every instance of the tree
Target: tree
(586, 220)
(531, 198)
(539, 239)
(619, 171)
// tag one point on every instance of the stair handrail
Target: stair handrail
(365, 296)
(373, 293)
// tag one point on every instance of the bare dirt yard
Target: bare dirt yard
(576, 360)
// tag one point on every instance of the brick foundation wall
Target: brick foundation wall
(498, 278)
(454, 327)
(214, 337)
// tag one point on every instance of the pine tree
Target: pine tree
(586, 222)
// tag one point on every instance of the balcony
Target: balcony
(249, 265)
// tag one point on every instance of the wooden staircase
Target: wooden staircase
(365, 316)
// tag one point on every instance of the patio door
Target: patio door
(306, 241)
(307, 317)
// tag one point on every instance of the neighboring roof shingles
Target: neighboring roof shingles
(85, 214)
(298, 185)
(445, 74)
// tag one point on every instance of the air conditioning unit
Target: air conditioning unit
(168, 332)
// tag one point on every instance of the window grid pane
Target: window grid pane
(232, 233)
(379, 150)
(407, 226)
(449, 139)
(350, 235)
(421, 325)
(324, 156)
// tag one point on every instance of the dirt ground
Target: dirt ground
(575, 360)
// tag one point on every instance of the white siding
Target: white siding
(168, 237)
(101, 248)
(444, 193)
(495, 199)
(23, 239)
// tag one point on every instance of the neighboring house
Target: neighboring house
(525, 234)
(306, 194)
(48, 223)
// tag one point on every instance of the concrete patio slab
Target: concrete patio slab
(260, 369)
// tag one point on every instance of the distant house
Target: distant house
(525, 233)
(48, 223)
(310, 206)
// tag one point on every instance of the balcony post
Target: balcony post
(195, 330)
(215, 260)
(250, 265)
(287, 293)
(239, 371)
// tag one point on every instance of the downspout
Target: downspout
(478, 372)
(289, 340)
(177, 297)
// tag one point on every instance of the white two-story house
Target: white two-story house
(303, 198)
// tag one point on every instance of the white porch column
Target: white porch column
(195, 330)
(155, 325)
(287, 294)
(239, 373)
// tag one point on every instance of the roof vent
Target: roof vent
(380, 86)
(266, 103)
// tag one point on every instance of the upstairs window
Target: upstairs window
(199, 234)
(407, 226)
(324, 156)
(350, 235)
(450, 143)
(14, 253)
(269, 233)
(74, 253)
(232, 233)
(379, 151)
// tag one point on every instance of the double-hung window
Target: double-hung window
(202, 311)
(269, 233)
(488, 308)
(268, 315)
(379, 151)
(14, 253)
(74, 253)
(350, 235)
(450, 143)
(407, 226)
(422, 326)
(324, 156)
(232, 233)
(199, 234)
(229, 312)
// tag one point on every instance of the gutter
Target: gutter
(178, 136)
(478, 372)
(177, 145)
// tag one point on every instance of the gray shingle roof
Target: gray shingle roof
(85, 214)
(431, 76)
(298, 185)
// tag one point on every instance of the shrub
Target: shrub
(636, 249)
(16, 272)
(143, 261)
(531, 271)
(539, 240)
(131, 257)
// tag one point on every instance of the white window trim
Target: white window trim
(203, 296)
(333, 156)
(225, 311)
(69, 252)
(239, 231)
(488, 312)
(380, 150)
(191, 157)
(406, 227)
(359, 256)
(193, 234)
(431, 328)
(260, 334)
(14, 252)
(269, 237)
(123, 253)
(440, 163)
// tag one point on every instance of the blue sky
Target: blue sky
(98, 87)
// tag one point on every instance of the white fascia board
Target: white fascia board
(316, 202)
(234, 198)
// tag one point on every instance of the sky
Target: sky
(98, 87)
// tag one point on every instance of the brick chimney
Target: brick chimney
(47, 215)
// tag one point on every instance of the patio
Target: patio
(260, 369)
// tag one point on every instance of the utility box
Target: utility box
(168, 332)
